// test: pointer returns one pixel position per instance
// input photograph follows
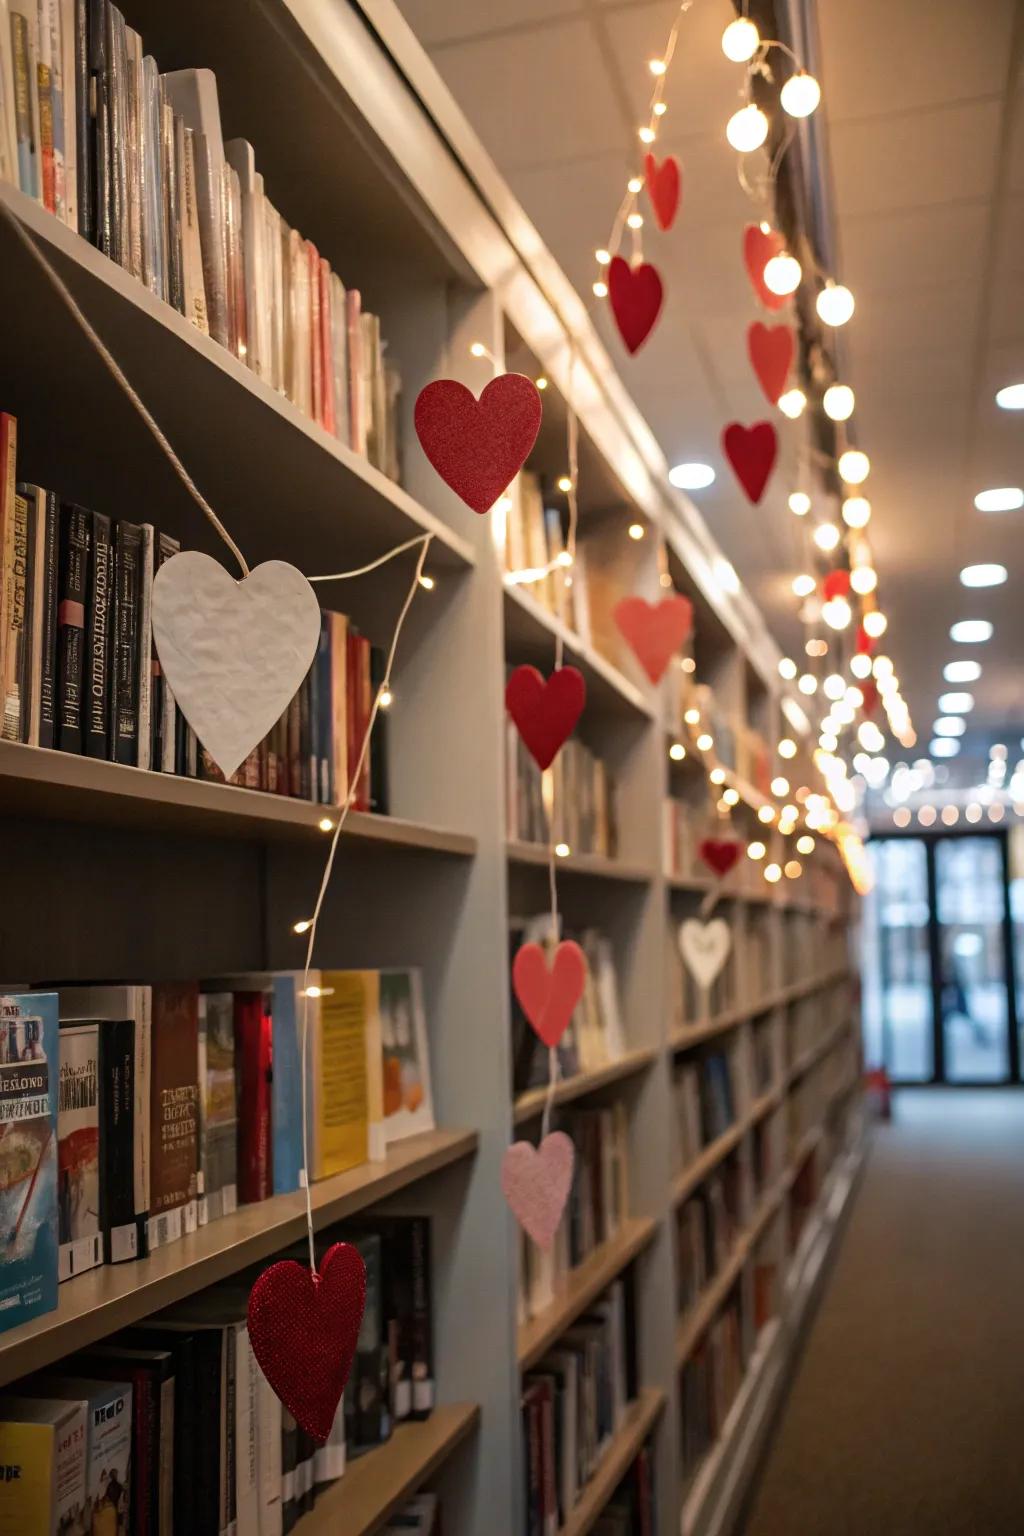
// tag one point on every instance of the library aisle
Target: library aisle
(905, 1408)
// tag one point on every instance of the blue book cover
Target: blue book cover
(286, 1103)
(29, 1075)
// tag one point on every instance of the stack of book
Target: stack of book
(136, 162)
(709, 1381)
(595, 1036)
(79, 669)
(573, 1402)
(577, 787)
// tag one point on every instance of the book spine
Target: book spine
(37, 543)
(48, 622)
(22, 67)
(96, 724)
(74, 556)
(141, 1142)
(117, 1093)
(15, 596)
(253, 1036)
(145, 648)
(378, 755)
(175, 286)
(422, 1321)
(84, 143)
(8, 484)
(125, 689)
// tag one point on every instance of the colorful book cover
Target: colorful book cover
(218, 1121)
(408, 1104)
(336, 1064)
(253, 1026)
(174, 1108)
(29, 1056)
(78, 1151)
(43, 1454)
(107, 1406)
(286, 1103)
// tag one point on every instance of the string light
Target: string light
(740, 40)
(772, 873)
(325, 824)
(600, 289)
(478, 349)
(833, 687)
(875, 623)
(756, 851)
(565, 483)
(800, 94)
(803, 586)
(635, 221)
(838, 401)
(636, 531)
(717, 775)
(541, 383)
(792, 404)
(677, 752)
(635, 185)
(805, 844)
(787, 669)
(860, 664)
(427, 583)
(657, 66)
(705, 742)
(782, 274)
(780, 787)
(787, 747)
(854, 466)
(799, 503)
(856, 511)
(863, 579)
(386, 698)
(766, 813)
(837, 613)
(731, 796)
(646, 135)
(816, 647)
(834, 304)
(303, 925)
(562, 850)
(793, 870)
(746, 131)
(692, 716)
(826, 536)
(807, 683)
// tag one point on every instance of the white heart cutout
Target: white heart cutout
(234, 652)
(705, 948)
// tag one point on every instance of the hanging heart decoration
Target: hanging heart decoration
(654, 631)
(759, 246)
(771, 356)
(536, 1182)
(864, 643)
(545, 712)
(751, 451)
(635, 294)
(869, 689)
(303, 1328)
(234, 652)
(549, 997)
(835, 584)
(663, 188)
(478, 446)
(720, 854)
(705, 948)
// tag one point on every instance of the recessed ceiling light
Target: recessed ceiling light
(1011, 397)
(691, 477)
(983, 575)
(971, 631)
(962, 672)
(944, 746)
(955, 703)
(1005, 498)
(949, 725)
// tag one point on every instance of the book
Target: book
(78, 1151)
(124, 690)
(144, 641)
(287, 1157)
(29, 1069)
(337, 1078)
(150, 1374)
(253, 1027)
(75, 531)
(43, 1444)
(43, 704)
(218, 1120)
(96, 727)
(15, 645)
(408, 1105)
(107, 1410)
(174, 1108)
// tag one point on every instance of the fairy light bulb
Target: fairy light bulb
(875, 623)
(864, 580)
(780, 787)
(565, 483)
(800, 94)
(787, 668)
(805, 844)
(731, 796)
(603, 257)
(646, 135)
(747, 130)
(766, 813)
(660, 108)
(826, 536)
(600, 290)
(478, 349)
(677, 752)
(799, 503)
(834, 304)
(838, 401)
(717, 775)
(635, 185)
(740, 40)
(837, 613)
(856, 511)
(833, 687)
(792, 404)
(787, 747)
(854, 466)
(860, 665)
(386, 698)
(807, 683)
(772, 873)
(635, 221)
(657, 66)
(793, 870)
(756, 850)
(303, 925)
(705, 742)
(803, 585)
(782, 274)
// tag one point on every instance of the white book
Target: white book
(269, 1415)
(8, 125)
(188, 222)
(193, 95)
(25, 31)
(247, 1481)
(329, 1458)
(145, 714)
(242, 159)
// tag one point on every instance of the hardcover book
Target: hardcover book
(97, 640)
(339, 1086)
(174, 1107)
(75, 530)
(78, 1156)
(29, 1057)
(43, 1450)
(107, 1407)
(218, 1124)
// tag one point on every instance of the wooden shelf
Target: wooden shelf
(637, 1423)
(59, 785)
(113, 1296)
(528, 1105)
(817, 1053)
(695, 1320)
(694, 1034)
(697, 1171)
(582, 1285)
(597, 865)
(530, 633)
(377, 1484)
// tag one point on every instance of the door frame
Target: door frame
(931, 838)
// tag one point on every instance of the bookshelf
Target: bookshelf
(124, 873)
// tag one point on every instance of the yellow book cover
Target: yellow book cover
(27, 1491)
(342, 1089)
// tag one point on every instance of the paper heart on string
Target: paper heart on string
(635, 294)
(663, 186)
(835, 584)
(234, 652)
(751, 451)
(771, 356)
(536, 1182)
(864, 645)
(549, 997)
(705, 948)
(654, 631)
(759, 246)
(870, 691)
(303, 1329)
(720, 854)
(478, 446)
(545, 712)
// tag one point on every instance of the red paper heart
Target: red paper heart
(870, 691)
(303, 1330)
(835, 584)
(478, 446)
(865, 645)
(720, 854)
(771, 356)
(654, 631)
(635, 294)
(663, 188)
(548, 997)
(545, 713)
(751, 452)
(758, 250)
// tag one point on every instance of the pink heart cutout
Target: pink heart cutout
(536, 1182)
(549, 997)
(654, 631)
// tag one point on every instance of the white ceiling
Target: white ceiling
(924, 107)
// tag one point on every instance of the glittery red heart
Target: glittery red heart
(545, 711)
(720, 854)
(663, 188)
(771, 356)
(865, 645)
(478, 446)
(835, 584)
(758, 249)
(655, 631)
(303, 1330)
(751, 452)
(635, 294)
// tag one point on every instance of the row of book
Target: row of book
(572, 802)
(632, 1509)
(707, 1226)
(133, 1114)
(573, 1402)
(709, 1382)
(705, 1102)
(109, 1441)
(691, 1003)
(136, 162)
(80, 671)
(595, 1036)
(683, 827)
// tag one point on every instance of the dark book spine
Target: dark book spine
(117, 1141)
(97, 641)
(209, 1356)
(379, 740)
(84, 125)
(325, 742)
(99, 109)
(48, 623)
(305, 736)
(293, 735)
(422, 1369)
(35, 500)
(125, 690)
(74, 560)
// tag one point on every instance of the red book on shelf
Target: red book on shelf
(316, 355)
(359, 691)
(253, 1035)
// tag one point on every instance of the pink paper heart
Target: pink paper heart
(548, 997)
(655, 631)
(536, 1182)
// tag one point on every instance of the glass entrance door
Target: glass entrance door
(974, 1000)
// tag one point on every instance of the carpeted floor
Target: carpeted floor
(906, 1414)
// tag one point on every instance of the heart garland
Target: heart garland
(478, 446)
(545, 712)
(663, 188)
(835, 584)
(720, 854)
(303, 1328)
(705, 948)
(635, 294)
(654, 631)
(771, 350)
(536, 1182)
(549, 997)
(751, 451)
(759, 246)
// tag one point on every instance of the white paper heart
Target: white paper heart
(705, 948)
(234, 652)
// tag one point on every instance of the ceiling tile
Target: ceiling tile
(445, 21)
(700, 78)
(913, 248)
(909, 161)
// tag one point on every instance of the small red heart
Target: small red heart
(545, 713)
(303, 1329)
(758, 249)
(865, 645)
(478, 446)
(771, 356)
(720, 854)
(870, 691)
(663, 187)
(751, 452)
(654, 631)
(548, 998)
(835, 584)
(635, 294)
